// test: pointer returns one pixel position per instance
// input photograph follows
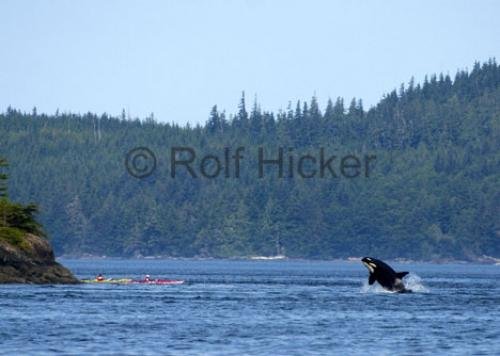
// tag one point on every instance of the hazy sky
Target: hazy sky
(178, 58)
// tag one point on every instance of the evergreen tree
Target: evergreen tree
(3, 178)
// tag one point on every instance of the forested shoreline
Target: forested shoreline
(433, 192)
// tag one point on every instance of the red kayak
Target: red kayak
(159, 281)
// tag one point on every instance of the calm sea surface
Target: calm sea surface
(255, 308)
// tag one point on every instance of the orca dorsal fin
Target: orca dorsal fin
(371, 279)
(400, 275)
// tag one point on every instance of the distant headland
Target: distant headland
(31, 260)
(25, 254)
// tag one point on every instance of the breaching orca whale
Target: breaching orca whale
(385, 275)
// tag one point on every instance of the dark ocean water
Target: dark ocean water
(255, 308)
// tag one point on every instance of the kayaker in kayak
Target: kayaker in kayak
(99, 278)
(156, 281)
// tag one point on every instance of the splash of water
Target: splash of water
(374, 288)
(412, 281)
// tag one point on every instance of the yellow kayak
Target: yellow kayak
(108, 281)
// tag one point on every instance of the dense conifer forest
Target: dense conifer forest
(433, 190)
(15, 219)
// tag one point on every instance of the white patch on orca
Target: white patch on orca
(369, 266)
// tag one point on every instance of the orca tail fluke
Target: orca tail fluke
(400, 275)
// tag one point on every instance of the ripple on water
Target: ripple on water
(233, 307)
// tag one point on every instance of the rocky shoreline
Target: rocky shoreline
(32, 262)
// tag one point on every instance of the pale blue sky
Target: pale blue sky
(178, 58)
